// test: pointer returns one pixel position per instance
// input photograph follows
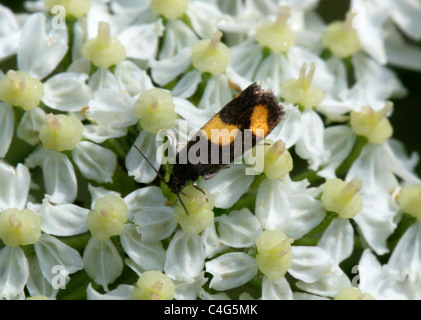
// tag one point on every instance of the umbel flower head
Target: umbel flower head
(85, 84)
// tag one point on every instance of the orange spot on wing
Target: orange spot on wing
(219, 132)
(259, 121)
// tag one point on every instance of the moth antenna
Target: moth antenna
(182, 203)
(150, 163)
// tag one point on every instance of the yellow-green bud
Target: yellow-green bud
(73, 8)
(372, 124)
(60, 132)
(343, 197)
(276, 36)
(278, 161)
(211, 55)
(199, 204)
(170, 9)
(153, 285)
(410, 200)
(274, 253)
(156, 110)
(38, 297)
(301, 91)
(104, 50)
(19, 89)
(351, 293)
(108, 217)
(341, 38)
(19, 227)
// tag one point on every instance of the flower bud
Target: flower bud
(410, 200)
(108, 217)
(372, 124)
(61, 132)
(351, 293)
(38, 297)
(19, 227)
(274, 253)
(170, 9)
(153, 285)
(199, 204)
(156, 110)
(278, 161)
(343, 197)
(211, 55)
(301, 91)
(276, 36)
(104, 51)
(73, 8)
(19, 89)
(341, 38)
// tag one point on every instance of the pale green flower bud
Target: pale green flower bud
(108, 217)
(170, 9)
(38, 297)
(341, 38)
(155, 109)
(19, 227)
(274, 253)
(153, 285)
(343, 197)
(276, 36)
(19, 89)
(73, 8)
(199, 206)
(211, 55)
(351, 293)
(410, 200)
(372, 124)
(278, 161)
(301, 91)
(61, 132)
(104, 51)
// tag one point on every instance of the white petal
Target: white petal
(136, 164)
(7, 121)
(407, 14)
(51, 253)
(132, 79)
(59, 177)
(122, 292)
(277, 289)
(62, 219)
(67, 91)
(338, 239)
(103, 79)
(203, 17)
(406, 257)
(15, 184)
(100, 133)
(95, 162)
(211, 242)
(148, 255)
(311, 144)
(30, 125)
(231, 270)
(309, 263)
(99, 192)
(239, 229)
(102, 261)
(112, 108)
(41, 47)
(14, 273)
(37, 284)
(189, 291)
(185, 257)
(177, 37)
(141, 41)
(290, 128)
(217, 93)
(376, 220)
(164, 71)
(228, 185)
(246, 58)
(155, 223)
(187, 85)
(144, 198)
(196, 117)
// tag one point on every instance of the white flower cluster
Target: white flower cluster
(84, 81)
